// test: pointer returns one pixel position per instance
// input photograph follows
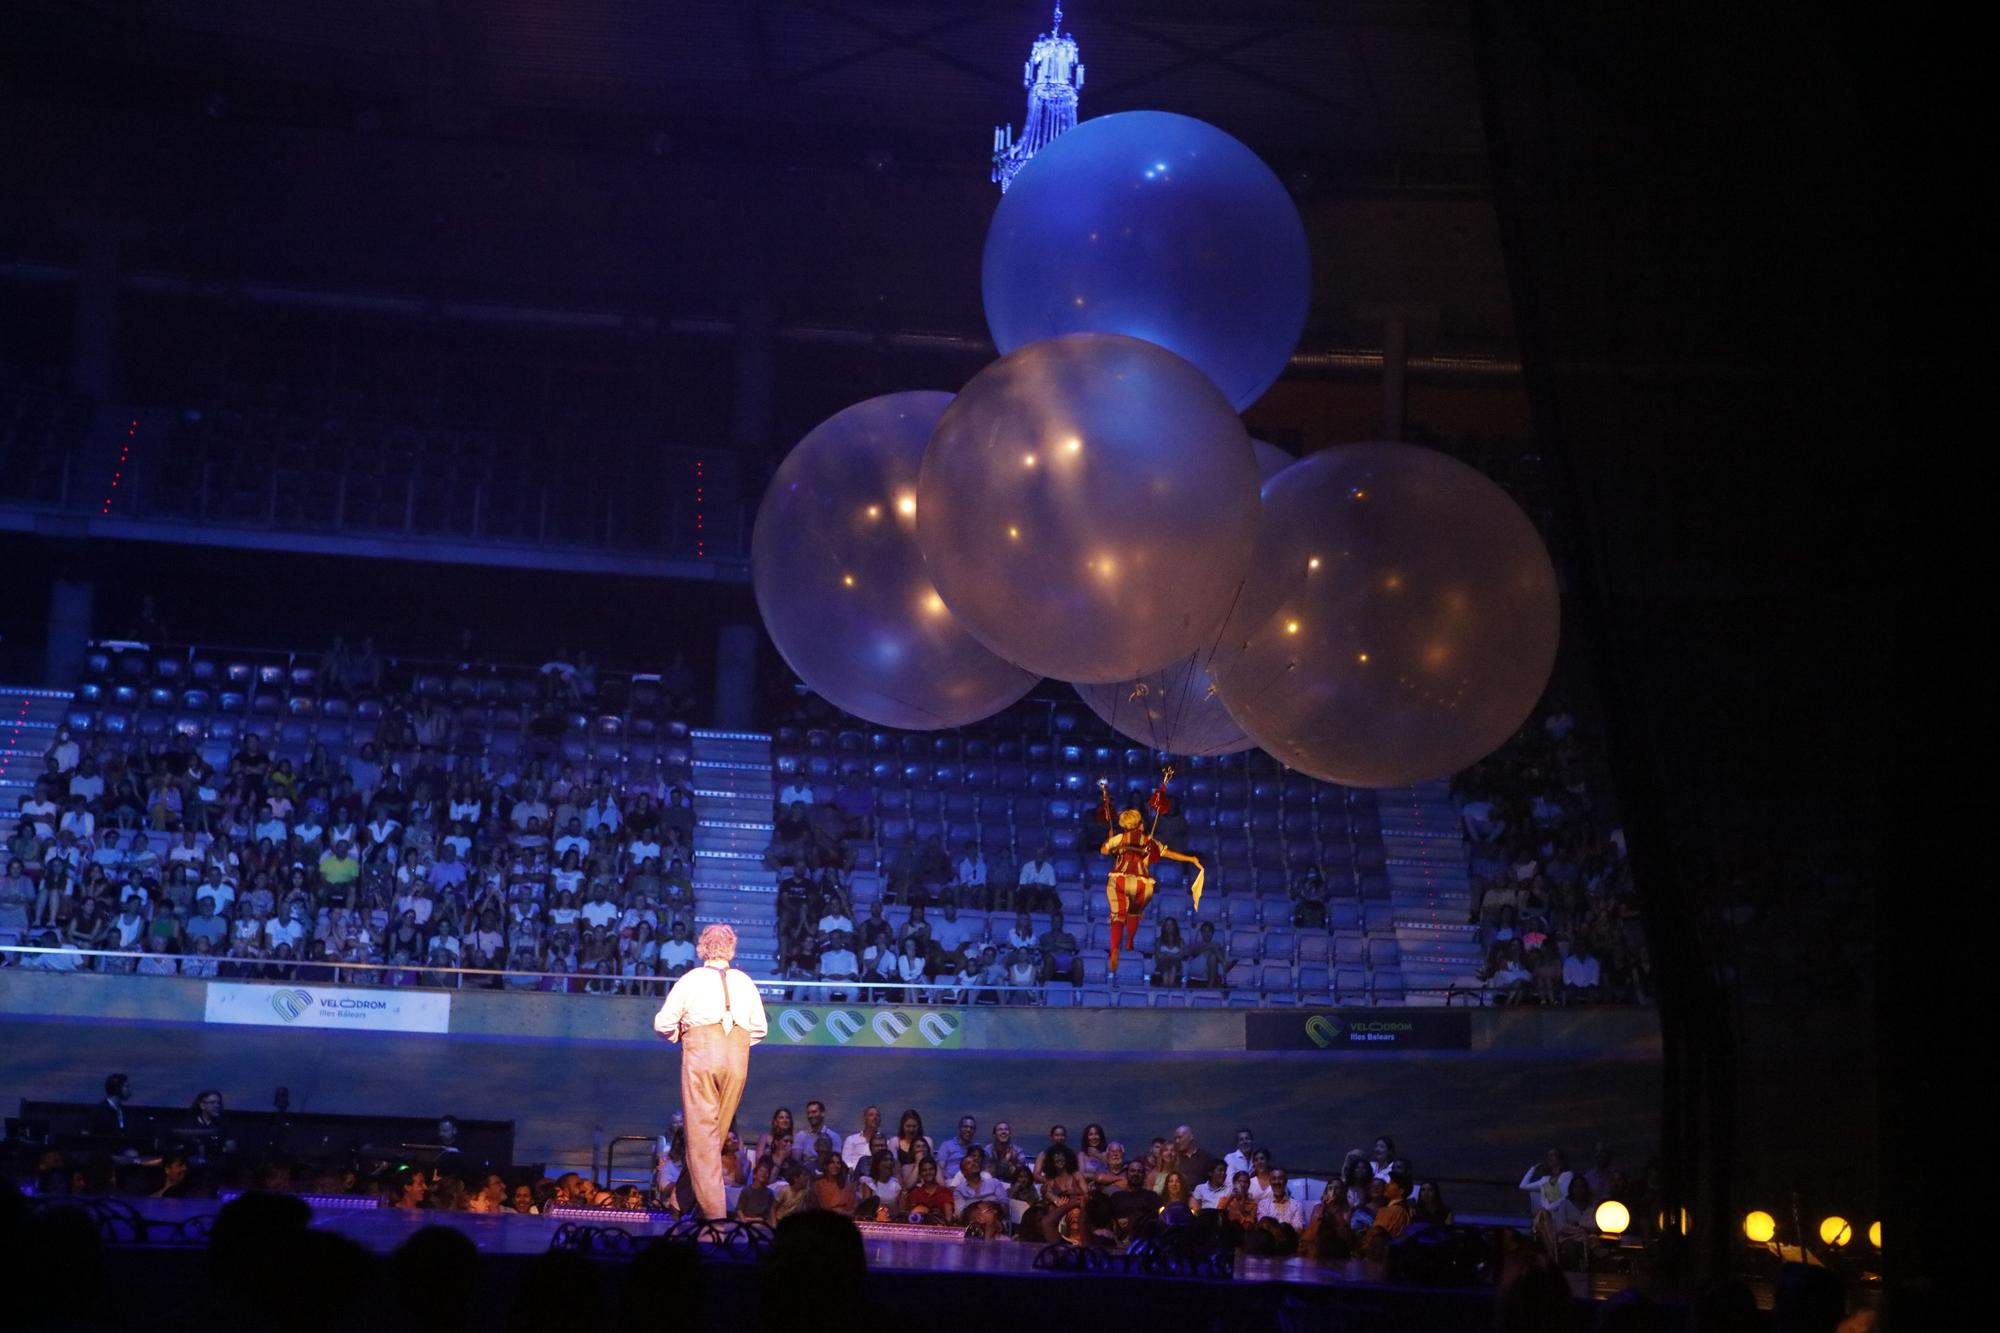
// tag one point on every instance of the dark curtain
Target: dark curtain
(1683, 220)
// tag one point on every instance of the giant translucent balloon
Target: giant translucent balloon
(1176, 709)
(1416, 625)
(1161, 227)
(837, 573)
(1087, 507)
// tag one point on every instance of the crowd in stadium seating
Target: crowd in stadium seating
(412, 853)
(1555, 901)
(420, 842)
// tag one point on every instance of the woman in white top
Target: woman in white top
(913, 967)
(568, 877)
(881, 1181)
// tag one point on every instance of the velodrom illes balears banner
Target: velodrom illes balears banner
(351, 1010)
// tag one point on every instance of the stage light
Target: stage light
(1835, 1231)
(906, 504)
(1875, 1234)
(1760, 1226)
(1613, 1217)
(1666, 1221)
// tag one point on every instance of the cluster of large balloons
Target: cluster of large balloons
(1089, 507)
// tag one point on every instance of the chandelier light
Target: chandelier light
(1052, 75)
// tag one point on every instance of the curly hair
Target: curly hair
(717, 941)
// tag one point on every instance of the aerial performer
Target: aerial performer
(1134, 851)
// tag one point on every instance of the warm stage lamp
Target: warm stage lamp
(1875, 1234)
(1834, 1231)
(1760, 1226)
(1613, 1217)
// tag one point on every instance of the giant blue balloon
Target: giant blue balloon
(841, 584)
(1416, 621)
(1177, 709)
(1161, 227)
(1087, 507)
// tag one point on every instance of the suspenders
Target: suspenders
(727, 1008)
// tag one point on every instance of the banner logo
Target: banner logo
(1324, 1029)
(873, 1029)
(1359, 1030)
(348, 1009)
(289, 1004)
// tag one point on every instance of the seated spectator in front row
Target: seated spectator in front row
(1205, 965)
(1062, 959)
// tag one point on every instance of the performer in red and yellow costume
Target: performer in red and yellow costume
(1134, 851)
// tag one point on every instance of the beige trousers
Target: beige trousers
(714, 1066)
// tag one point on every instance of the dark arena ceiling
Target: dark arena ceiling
(630, 154)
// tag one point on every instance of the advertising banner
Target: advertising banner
(1360, 1030)
(351, 1010)
(866, 1026)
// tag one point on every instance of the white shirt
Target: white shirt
(1038, 872)
(697, 1000)
(1581, 971)
(1545, 1192)
(951, 935)
(598, 912)
(1235, 1161)
(44, 814)
(839, 963)
(972, 870)
(854, 1150)
(1209, 1196)
(797, 792)
(1285, 1208)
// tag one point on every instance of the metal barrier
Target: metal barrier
(218, 967)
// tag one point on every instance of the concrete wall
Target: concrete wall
(574, 1071)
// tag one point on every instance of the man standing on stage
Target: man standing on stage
(716, 1015)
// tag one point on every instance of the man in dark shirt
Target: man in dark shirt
(1195, 1159)
(1133, 1199)
(1061, 959)
(107, 1118)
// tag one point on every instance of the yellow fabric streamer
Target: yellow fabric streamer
(1200, 873)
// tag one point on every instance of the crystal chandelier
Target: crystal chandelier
(1051, 102)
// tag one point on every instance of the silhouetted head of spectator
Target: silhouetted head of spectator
(666, 1276)
(432, 1279)
(58, 1241)
(1726, 1306)
(1534, 1298)
(813, 1274)
(559, 1291)
(343, 1279)
(251, 1263)
(1808, 1300)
